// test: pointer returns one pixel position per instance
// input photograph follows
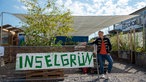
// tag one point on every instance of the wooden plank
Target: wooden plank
(44, 73)
(52, 73)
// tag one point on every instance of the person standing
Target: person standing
(103, 52)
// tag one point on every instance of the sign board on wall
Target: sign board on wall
(34, 61)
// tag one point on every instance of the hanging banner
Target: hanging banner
(33, 61)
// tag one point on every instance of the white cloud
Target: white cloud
(77, 8)
(20, 7)
(90, 9)
(140, 5)
(99, 1)
(24, 7)
(122, 2)
(98, 7)
(68, 2)
(103, 7)
(59, 2)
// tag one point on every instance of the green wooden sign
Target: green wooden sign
(32, 61)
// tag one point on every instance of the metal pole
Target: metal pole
(97, 66)
(1, 27)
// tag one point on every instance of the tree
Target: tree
(46, 21)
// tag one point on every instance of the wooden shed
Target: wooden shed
(9, 35)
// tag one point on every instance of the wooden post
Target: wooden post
(134, 47)
(144, 32)
(129, 40)
(131, 46)
(118, 43)
(10, 52)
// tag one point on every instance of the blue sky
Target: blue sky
(10, 6)
(77, 7)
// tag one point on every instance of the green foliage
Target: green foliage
(140, 49)
(114, 43)
(46, 21)
(127, 42)
(138, 46)
(69, 41)
(58, 44)
(123, 42)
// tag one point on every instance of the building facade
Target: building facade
(136, 23)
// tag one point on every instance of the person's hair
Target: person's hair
(100, 31)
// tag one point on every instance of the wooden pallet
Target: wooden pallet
(20, 74)
(51, 73)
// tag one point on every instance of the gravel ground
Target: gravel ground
(121, 72)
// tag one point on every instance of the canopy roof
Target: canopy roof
(86, 25)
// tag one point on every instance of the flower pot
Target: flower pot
(124, 56)
(139, 59)
(144, 60)
(114, 55)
